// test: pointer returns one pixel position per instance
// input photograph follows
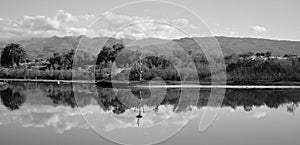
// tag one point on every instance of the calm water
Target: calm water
(51, 114)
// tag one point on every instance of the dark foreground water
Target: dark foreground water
(51, 114)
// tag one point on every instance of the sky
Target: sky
(236, 18)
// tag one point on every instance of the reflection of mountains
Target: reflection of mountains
(14, 96)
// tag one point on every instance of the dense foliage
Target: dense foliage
(62, 61)
(114, 60)
(12, 55)
(244, 71)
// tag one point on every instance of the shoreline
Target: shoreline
(221, 87)
(47, 81)
(170, 84)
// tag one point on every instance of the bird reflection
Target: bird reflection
(140, 107)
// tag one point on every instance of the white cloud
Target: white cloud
(150, 29)
(64, 17)
(38, 23)
(62, 24)
(66, 24)
(231, 33)
(73, 31)
(134, 27)
(257, 28)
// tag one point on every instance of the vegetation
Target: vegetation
(62, 61)
(247, 68)
(12, 55)
(247, 71)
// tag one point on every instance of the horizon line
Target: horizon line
(215, 36)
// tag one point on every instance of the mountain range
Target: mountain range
(45, 47)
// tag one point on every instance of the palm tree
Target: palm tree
(12, 55)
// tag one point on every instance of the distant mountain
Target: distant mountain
(147, 42)
(241, 45)
(236, 45)
(45, 47)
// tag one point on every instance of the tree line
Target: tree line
(240, 68)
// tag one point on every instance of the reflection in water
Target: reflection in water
(255, 98)
(63, 95)
(12, 98)
(56, 105)
(40, 105)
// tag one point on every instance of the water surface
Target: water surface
(47, 114)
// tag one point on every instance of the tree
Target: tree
(68, 59)
(12, 55)
(268, 54)
(109, 53)
(62, 61)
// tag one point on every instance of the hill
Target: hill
(241, 45)
(45, 47)
(236, 45)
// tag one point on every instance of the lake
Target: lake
(49, 113)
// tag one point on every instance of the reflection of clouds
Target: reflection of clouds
(61, 118)
(258, 114)
(64, 118)
(232, 110)
(151, 118)
(107, 121)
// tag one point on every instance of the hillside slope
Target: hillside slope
(45, 47)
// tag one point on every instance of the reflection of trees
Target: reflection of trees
(172, 97)
(109, 100)
(73, 95)
(255, 98)
(61, 95)
(113, 100)
(291, 107)
(233, 98)
(12, 99)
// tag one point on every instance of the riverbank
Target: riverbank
(48, 81)
(167, 84)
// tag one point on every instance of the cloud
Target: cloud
(135, 27)
(64, 17)
(62, 24)
(257, 28)
(150, 29)
(73, 31)
(66, 24)
(231, 33)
